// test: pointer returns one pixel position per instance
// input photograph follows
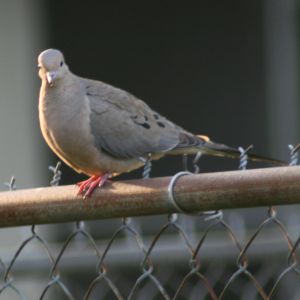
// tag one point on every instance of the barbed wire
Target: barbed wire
(150, 282)
(56, 174)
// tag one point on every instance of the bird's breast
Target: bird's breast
(65, 127)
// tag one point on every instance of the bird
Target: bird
(103, 131)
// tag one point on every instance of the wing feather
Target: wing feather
(124, 126)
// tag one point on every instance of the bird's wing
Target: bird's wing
(126, 127)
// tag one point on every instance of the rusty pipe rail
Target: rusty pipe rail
(210, 191)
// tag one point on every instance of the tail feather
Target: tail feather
(191, 144)
(222, 150)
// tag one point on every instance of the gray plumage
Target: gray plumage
(97, 128)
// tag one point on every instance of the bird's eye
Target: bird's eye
(39, 67)
(61, 63)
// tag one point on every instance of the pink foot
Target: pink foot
(87, 187)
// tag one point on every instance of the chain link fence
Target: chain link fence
(233, 254)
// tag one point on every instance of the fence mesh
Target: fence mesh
(217, 255)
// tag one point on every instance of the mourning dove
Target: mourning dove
(101, 131)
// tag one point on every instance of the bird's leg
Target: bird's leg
(83, 185)
(98, 182)
(87, 187)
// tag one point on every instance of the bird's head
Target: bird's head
(52, 67)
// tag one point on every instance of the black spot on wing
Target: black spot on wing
(145, 125)
(161, 124)
(142, 122)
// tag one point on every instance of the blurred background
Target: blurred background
(227, 69)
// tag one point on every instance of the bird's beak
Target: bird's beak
(50, 77)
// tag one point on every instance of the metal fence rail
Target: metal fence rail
(212, 255)
(189, 193)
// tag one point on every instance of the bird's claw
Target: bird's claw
(87, 187)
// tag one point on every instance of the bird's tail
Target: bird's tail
(222, 150)
(192, 144)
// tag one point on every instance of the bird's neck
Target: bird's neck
(61, 93)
